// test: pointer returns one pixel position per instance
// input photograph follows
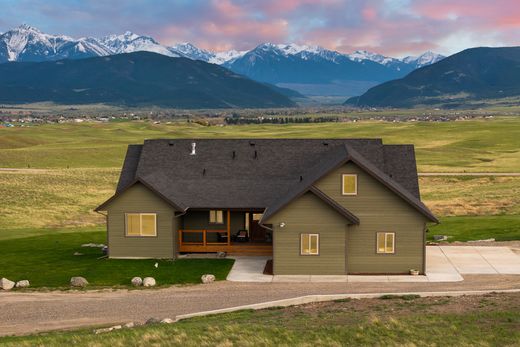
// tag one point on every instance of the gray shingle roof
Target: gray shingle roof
(254, 173)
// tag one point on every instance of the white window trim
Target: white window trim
(386, 235)
(343, 184)
(317, 243)
(141, 224)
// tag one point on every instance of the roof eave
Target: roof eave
(176, 206)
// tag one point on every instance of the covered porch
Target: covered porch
(231, 231)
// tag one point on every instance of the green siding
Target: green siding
(138, 198)
(379, 209)
(308, 214)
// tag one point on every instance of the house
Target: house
(335, 206)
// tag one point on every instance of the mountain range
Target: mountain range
(310, 70)
(135, 79)
(471, 76)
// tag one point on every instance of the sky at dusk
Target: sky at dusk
(392, 27)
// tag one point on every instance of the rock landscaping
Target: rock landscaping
(207, 278)
(137, 281)
(93, 245)
(22, 284)
(149, 282)
(6, 284)
(79, 282)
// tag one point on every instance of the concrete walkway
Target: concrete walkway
(443, 264)
(249, 269)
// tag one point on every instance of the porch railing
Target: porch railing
(205, 233)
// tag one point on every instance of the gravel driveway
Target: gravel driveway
(30, 312)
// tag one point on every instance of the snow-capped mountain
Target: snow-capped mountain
(287, 65)
(226, 56)
(26, 43)
(188, 50)
(378, 58)
(130, 42)
(424, 59)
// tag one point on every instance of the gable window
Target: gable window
(141, 224)
(309, 244)
(349, 184)
(216, 217)
(385, 242)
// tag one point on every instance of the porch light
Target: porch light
(282, 224)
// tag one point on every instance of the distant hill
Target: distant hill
(475, 74)
(140, 78)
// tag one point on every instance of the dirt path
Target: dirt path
(30, 312)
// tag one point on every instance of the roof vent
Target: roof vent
(251, 143)
(170, 143)
(301, 178)
(193, 151)
(234, 154)
(204, 172)
(256, 154)
(325, 143)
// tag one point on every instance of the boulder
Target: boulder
(152, 321)
(22, 284)
(221, 254)
(103, 330)
(149, 282)
(129, 325)
(78, 282)
(6, 284)
(77, 253)
(167, 321)
(207, 278)
(88, 245)
(137, 281)
(107, 330)
(440, 237)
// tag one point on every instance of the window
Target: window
(216, 217)
(310, 244)
(349, 184)
(257, 216)
(385, 242)
(141, 224)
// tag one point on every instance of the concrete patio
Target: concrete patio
(443, 264)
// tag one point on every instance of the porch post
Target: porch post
(228, 227)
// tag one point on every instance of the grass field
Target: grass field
(49, 261)
(475, 145)
(490, 320)
(468, 228)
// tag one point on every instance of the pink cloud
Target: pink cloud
(348, 25)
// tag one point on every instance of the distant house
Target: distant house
(349, 206)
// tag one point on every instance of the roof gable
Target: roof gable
(340, 157)
(352, 219)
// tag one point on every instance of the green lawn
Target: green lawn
(491, 320)
(48, 261)
(475, 145)
(466, 228)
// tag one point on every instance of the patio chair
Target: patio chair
(241, 236)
